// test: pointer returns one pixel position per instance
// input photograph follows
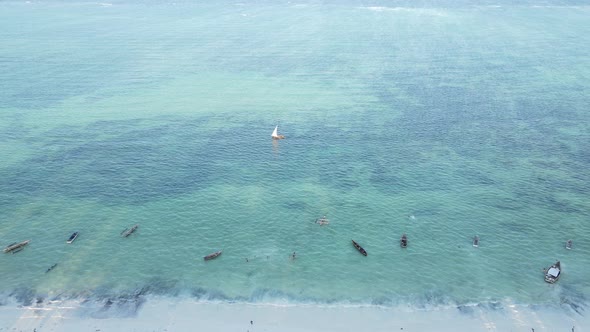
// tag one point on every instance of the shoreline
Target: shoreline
(157, 313)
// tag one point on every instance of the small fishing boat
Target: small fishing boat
(16, 247)
(476, 241)
(403, 242)
(359, 248)
(213, 255)
(275, 134)
(569, 244)
(129, 231)
(553, 273)
(322, 221)
(51, 268)
(73, 237)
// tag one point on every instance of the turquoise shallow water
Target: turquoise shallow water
(442, 121)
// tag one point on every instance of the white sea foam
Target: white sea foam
(422, 11)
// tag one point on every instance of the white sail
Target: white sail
(274, 133)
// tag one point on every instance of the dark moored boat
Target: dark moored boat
(403, 242)
(476, 241)
(553, 273)
(569, 244)
(51, 268)
(72, 237)
(16, 247)
(129, 231)
(359, 248)
(213, 255)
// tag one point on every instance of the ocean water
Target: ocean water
(438, 119)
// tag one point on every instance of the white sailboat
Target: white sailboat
(275, 134)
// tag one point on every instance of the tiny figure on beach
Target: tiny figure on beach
(251, 322)
(247, 260)
(293, 255)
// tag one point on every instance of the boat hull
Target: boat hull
(73, 237)
(553, 273)
(322, 221)
(403, 242)
(212, 256)
(476, 241)
(15, 247)
(51, 268)
(130, 231)
(359, 248)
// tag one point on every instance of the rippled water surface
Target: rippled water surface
(440, 120)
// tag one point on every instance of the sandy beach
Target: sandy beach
(169, 314)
